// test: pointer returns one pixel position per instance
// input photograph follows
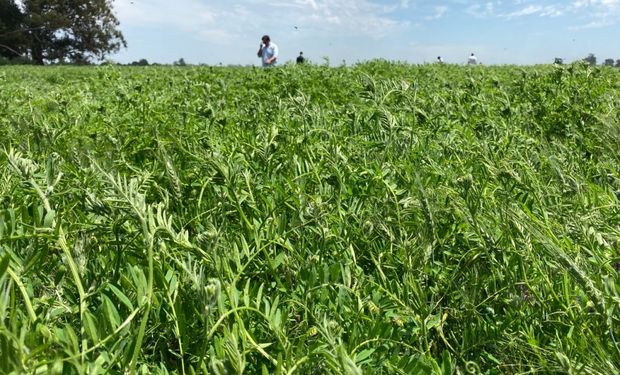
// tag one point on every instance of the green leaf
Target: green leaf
(2, 224)
(91, 328)
(564, 361)
(121, 296)
(246, 294)
(48, 220)
(4, 264)
(71, 339)
(111, 312)
(276, 320)
(446, 363)
(279, 259)
(433, 321)
(362, 356)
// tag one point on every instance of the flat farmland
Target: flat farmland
(381, 218)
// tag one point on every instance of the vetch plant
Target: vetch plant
(378, 218)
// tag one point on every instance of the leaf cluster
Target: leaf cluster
(59, 31)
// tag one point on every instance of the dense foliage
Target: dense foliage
(11, 19)
(381, 218)
(61, 31)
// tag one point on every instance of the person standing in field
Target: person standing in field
(439, 60)
(268, 51)
(472, 59)
(300, 58)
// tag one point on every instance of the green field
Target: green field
(379, 219)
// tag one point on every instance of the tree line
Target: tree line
(591, 59)
(58, 31)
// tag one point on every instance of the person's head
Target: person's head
(300, 53)
(266, 39)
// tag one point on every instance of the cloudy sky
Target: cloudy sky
(416, 31)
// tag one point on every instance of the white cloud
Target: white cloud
(482, 10)
(350, 18)
(439, 12)
(163, 12)
(598, 13)
(344, 17)
(531, 10)
(594, 13)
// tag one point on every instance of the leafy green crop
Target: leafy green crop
(380, 219)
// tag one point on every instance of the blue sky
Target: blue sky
(416, 31)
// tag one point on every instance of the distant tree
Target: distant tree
(590, 59)
(609, 62)
(108, 62)
(141, 62)
(558, 61)
(181, 62)
(12, 42)
(617, 63)
(71, 30)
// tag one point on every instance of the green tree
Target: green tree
(609, 62)
(75, 31)
(141, 62)
(590, 59)
(11, 24)
(617, 63)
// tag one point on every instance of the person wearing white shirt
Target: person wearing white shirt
(472, 60)
(268, 51)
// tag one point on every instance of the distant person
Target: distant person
(472, 59)
(300, 58)
(268, 51)
(439, 60)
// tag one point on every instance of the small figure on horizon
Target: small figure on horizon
(267, 51)
(439, 60)
(472, 59)
(300, 58)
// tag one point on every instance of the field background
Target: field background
(381, 219)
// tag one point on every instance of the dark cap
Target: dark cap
(266, 37)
